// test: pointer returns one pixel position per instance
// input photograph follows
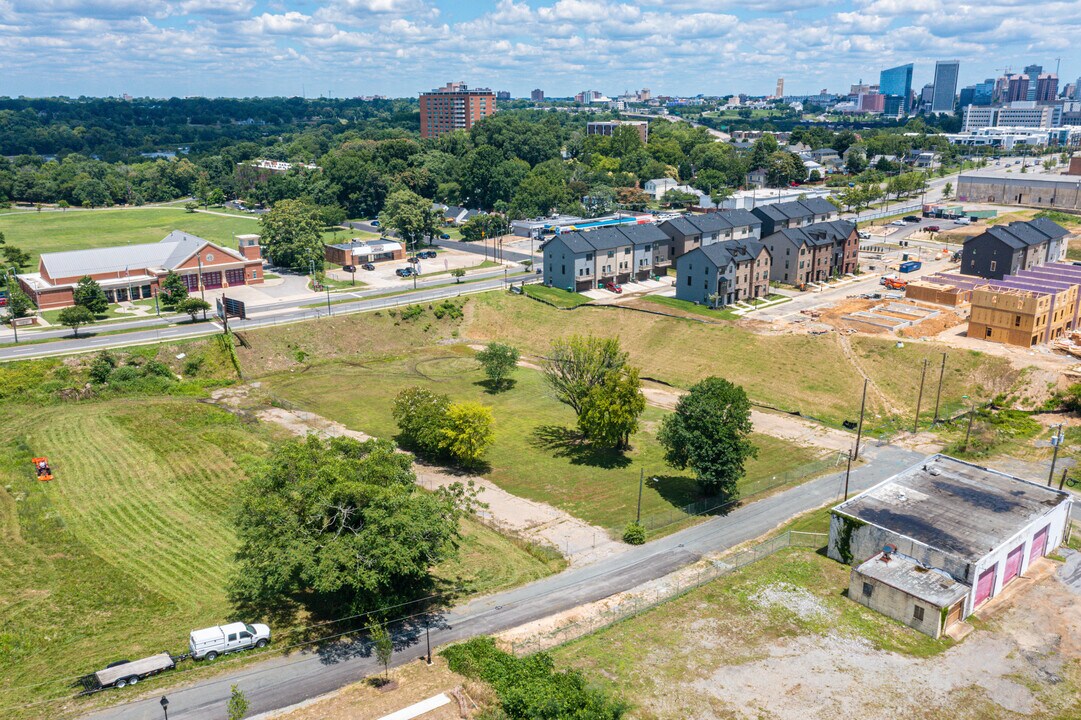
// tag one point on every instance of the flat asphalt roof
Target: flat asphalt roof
(902, 572)
(957, 507)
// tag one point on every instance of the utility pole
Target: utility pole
(641, 482)
(202, 292)
(11, 280)
(848, 471)
(428, 641)
(919, 399)
(1056, 440)
(859, 430)
(327, 288)
(938, 395)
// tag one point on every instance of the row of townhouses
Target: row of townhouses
(720, 258)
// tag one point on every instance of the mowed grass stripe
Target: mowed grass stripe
(128, 538)
(113, 498)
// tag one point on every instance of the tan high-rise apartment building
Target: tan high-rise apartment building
(780, 88)
(453, 107)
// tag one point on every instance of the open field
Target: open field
(45, 232)
(778, 640)
(535, 454)
(131, 545)
(793, 372)
(555, 296)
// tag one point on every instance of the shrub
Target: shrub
(635, 534)
(154, 367)
(412, 311)
(102, 366)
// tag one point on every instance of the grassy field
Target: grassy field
(793, 372)
(535, 454)
(45, 232)
(131, 545)
(662, 660)
(555, 296)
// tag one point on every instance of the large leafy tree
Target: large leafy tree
(291, 235)
(88, 294)
(421, 415)
(783, 168)
(75, 317)
(577, 364)
(410, 215)
(611, 410)
(340, 527)
(19, 303)
(708, 433)
(173, 290)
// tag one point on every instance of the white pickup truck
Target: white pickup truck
(209, 643)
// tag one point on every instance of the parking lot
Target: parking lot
(445, 261)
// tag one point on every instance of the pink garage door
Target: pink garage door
(1013, 564)
(191, 282)
(234, 277)
(985, 584)
(1039, 544)
(212, 280)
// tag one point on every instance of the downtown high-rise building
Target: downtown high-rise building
(1032, 73)
(453, 107)
(944, 96)
(897, 83)
(537, 95)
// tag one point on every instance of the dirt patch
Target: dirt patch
(413, 683)
(793, 598)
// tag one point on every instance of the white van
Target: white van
(209, 643)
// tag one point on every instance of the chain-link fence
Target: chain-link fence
(748, 491)
(629, 604)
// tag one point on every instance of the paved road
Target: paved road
(480, 249)
(279, 313)
(285, 681)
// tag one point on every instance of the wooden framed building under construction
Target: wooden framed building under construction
(1034, 307)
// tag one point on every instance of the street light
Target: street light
(1056, 441)
(165, 706)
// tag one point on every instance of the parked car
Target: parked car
(911, 218)
(613, 287)
(933, 228)
(349, 268)
(899, 223)
(404, 272)
(211, 642)
(375, 223)
(444, 236)
(863, 235)
(368, 266)
(963, 221)
(426, 254)
(412, 259)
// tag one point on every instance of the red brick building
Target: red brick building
(134, 272)
(453, 107)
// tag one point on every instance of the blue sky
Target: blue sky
(400, 47)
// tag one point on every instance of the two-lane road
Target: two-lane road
(285, 681)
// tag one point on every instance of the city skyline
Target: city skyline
(346, 48)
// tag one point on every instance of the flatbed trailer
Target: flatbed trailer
(128, 673)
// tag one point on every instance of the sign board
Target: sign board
(230, 308)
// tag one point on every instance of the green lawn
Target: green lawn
(555, 296)
(53, 316)
(661, 661)
(130, 547)
(690, 307)
(535, 454)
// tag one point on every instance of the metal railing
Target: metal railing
(629, 604)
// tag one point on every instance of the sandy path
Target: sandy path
(580, 542)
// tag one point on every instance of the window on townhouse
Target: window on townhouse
(611, 253)
(688, 281)
(993, 264)
(917, 613)
(589, 256)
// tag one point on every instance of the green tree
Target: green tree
(238, 704)
(88, 294)
(15, 257)
(291, 236)
(382, 646)
(172, 291)
(783, 168)
(457, 274)
(947, 190)
(468, 432)
(216, 197)
(340, 527)
(193, 306)
(498, 361)
(75, 317)
(761, 150)
(191, 207)
(577, 364)
(410, 216)
(421, 416)
(19, 303)
(708, 433)
(611, 410)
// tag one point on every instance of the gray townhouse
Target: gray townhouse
(795, 214)
(1002, 250)
(802, 255)
(582, 260)
(688, 232)
(722, 273)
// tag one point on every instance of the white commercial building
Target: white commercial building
(750, 199)
(1016, 114)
